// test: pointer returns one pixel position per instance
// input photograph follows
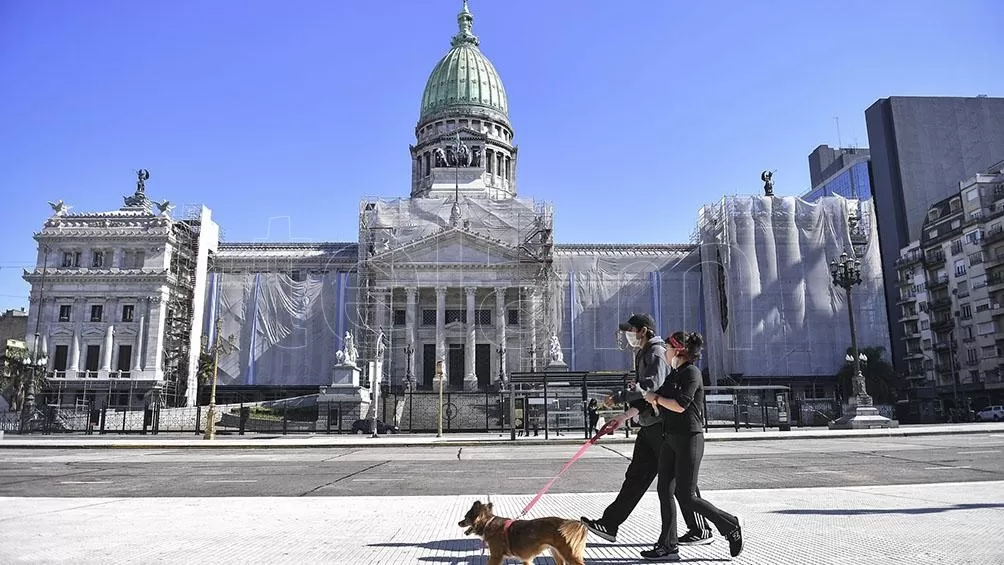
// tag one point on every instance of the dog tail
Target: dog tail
(575, 533)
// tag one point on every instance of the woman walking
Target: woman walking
(681, 401)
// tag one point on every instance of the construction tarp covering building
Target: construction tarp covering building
(595, 287)
(286, 331)
(771, 309)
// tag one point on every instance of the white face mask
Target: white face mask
(632, 339)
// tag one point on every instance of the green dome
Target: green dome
(464, 81)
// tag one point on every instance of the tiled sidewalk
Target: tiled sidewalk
(939, 523)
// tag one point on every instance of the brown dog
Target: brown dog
(526, 539)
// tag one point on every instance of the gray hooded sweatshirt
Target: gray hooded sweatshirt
(652, 368)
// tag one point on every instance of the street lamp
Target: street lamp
(31, 367)
(860, 412)
(441, 377)
(228, 345)
(409, 379)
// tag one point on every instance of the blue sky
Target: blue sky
(280, 116)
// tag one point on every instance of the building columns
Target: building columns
(470, 377)
(106, 349)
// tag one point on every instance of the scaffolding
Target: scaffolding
(523, 226)
(184, 241)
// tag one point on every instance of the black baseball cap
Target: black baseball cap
(637, 322)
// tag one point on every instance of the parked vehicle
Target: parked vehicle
(366, 426)
(991, 414)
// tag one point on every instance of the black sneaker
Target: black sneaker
(696, 538)
(735, 538)
(600, 529)
(662, 553)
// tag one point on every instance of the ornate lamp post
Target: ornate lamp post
(441, 377)
(227, 346)
(860, 411)
(409, 379)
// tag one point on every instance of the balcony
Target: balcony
(941, 304)
(943, 324)
(914, 354)
(911, 334)
(934, 259)
(993, 236)
(907, 299)
(937, 283)
(995, 281)
(908, 316)
(942, 346)
(909, 259)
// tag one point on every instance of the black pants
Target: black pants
(640, 473)
(679, 464)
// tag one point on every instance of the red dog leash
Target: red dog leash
(607, 428)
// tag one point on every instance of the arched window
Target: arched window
(500, 164)
(428, 160)
(490, 160)
(508, 168)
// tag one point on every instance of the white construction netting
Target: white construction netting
(286, 332)
(594, 291)
(397, 222)
(783, 315)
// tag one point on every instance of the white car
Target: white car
(991, 413)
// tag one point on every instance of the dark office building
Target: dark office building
(921, 149)
(842, 171)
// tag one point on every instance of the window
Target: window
(989, 351)
(456, 315)
(925, 324)
(96, 312)
(966, 311)
(933, 214)
(400, 318)
(982, 306)
(972, 355)
(127, 312)
(98, 259)
(955, 205)
(428, 317)
(71, 259)
(960, 267)
(512, 317)
(985, 328)
(972, 195)
(957, 247)
(483, 317)
(967, 332)
(59, 360)
(956, 224)
(64, 312)
(125, 359)
(932, 234)
(92, 360)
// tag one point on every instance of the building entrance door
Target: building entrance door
(455, 366)
(483, 364)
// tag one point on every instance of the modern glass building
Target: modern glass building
(851, 182)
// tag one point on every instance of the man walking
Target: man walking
(651, 369)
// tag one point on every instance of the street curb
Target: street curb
(325, 441)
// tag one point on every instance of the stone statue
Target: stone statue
(768, 182)
(554, 351)
(476, 156)
(142, 176)
(59, 208)
(348, 355)
(440, 157)
(463, 156)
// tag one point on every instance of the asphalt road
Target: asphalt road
(485, 469)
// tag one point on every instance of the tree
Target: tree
(16, 375)
(880, 377)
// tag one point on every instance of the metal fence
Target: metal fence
(558, 407)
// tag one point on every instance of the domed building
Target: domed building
(460, 279)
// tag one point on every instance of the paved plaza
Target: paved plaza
(909, 524)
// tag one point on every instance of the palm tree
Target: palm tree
(880, 377)
(16, 375)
